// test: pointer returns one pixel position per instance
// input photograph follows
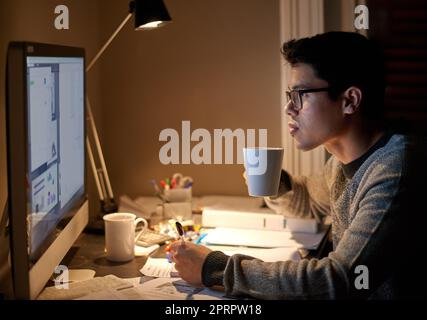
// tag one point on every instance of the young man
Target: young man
(369, 186)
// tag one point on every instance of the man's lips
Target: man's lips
(292, 127)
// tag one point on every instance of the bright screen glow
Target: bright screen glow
(55, 87)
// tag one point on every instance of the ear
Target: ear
(352, 98)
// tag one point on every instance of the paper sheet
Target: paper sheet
(79, 289)
(159, 289)
(176, 288)
(263, 238)
(145, 251)
(267, 255)
(159, 268)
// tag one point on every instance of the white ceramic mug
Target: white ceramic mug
(120, 235)
(263, 168)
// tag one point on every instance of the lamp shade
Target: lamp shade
(150, 14)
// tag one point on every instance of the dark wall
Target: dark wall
(401, 28)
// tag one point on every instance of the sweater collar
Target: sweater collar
(350, 168)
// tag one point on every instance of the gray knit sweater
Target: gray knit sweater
(373, 203)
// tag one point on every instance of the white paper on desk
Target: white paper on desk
(159, 289)
(109, 294)
(145, 251)
(176, 289)
(79, 289)
(263, 238)
(159, 268)
(112, 294)
(267, 255)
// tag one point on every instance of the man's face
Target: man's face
(321, 119)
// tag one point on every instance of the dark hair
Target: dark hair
(344, 59)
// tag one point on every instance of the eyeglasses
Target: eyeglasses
(296, 96)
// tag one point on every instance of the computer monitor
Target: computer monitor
(46, 159)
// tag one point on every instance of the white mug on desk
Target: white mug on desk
(120, 235)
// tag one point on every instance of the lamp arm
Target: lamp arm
(102, 179)
(120, 27)
(99, 149)
(93, 166)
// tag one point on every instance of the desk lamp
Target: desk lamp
(149, 14)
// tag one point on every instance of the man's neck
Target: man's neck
(353, 143)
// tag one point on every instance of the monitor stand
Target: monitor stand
(51, 259)
(96, 224)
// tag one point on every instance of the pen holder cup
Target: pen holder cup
(177, 210)
(177, 195)
(177, 204)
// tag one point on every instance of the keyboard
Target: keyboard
(150, 237)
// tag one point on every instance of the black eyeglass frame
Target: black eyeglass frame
(300, 93)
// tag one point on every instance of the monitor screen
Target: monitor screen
(55, 127)
(46, 159)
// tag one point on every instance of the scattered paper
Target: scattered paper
(176, 289)
(159, 268)
(145, 251)
(137, 280)
(79, 289)
(158, 289)
(267, 255)
(263, 238)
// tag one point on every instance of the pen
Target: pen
(157, 192)
(156, 188)
(200, 238)
(164, 185)
(168, 253)
(180, 231)
(159, 195)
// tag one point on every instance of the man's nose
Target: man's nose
(290, 109)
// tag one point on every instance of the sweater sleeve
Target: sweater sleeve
(304, 197)
(213, 269)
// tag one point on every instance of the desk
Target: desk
(88, 253)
